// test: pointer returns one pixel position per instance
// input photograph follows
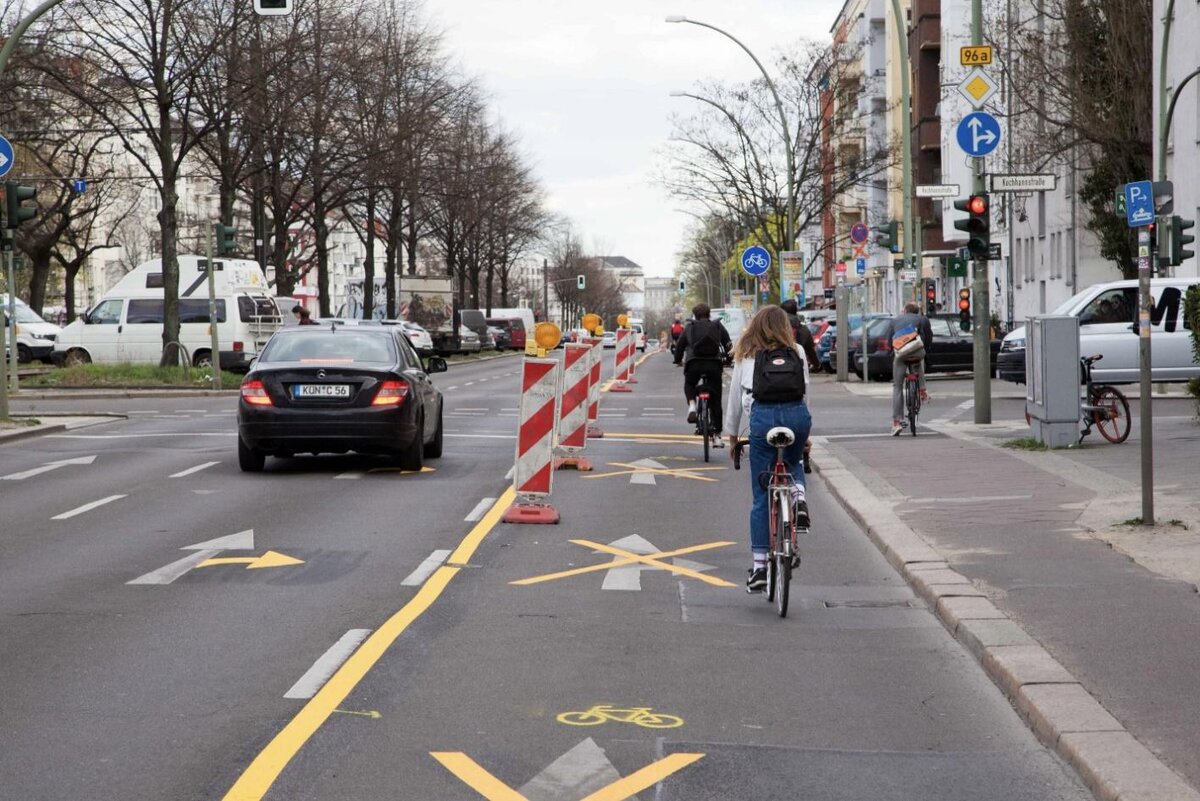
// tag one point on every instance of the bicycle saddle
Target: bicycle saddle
(780, 437)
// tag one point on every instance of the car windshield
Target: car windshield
(337, 347)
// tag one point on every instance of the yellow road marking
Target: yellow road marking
(402, 471)
(256, 780)
(476, 777)
(268, 559)
(674, 472)
(491, 788)
(629, 559)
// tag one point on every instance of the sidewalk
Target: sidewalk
(1027, 559)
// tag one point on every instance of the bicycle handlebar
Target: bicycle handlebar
(738, 446)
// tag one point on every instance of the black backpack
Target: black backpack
(778, 376)
(706, 344)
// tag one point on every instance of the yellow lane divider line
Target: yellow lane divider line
(256, 780)
(629, 558)
(481, 781)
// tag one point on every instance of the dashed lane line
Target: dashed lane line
(316, 676)
(193, 470)
(479, 509)
(426, 568)
(87, 507)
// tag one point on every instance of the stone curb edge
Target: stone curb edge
(1059, 710)
(30, 432)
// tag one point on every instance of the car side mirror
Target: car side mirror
(86, 319)
(436, 364)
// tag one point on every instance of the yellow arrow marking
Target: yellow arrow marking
(491, 788)
(629, 559)
(268, 559)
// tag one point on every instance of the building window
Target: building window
(1041, 215)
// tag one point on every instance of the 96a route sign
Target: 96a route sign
(976, 56)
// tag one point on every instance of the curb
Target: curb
(1059, 710)
(30, 433)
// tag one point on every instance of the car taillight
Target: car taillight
(255, 394)
(885, 344)
(238, 347)
(391, 393)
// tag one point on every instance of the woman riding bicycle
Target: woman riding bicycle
(769, 333)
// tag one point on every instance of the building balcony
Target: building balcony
(926, 33)
(929, 134)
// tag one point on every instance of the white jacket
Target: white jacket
(740, 384)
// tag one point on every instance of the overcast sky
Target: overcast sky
(585, 86)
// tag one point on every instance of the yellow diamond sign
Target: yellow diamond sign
(977, 87)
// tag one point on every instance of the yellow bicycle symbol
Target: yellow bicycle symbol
(638, 716)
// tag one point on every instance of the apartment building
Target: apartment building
(1183, 144)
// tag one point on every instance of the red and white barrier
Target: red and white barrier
(621, 361)
(595, 363)
(572, 420)
(533, 474)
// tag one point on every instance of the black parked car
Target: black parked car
(953, 349)
(333, 389)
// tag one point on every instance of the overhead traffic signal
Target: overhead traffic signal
(889, 236)
(964, 309)
(226, 239)
(272, 8)
(977, 225)
(930, 296)
(15, 210)
(580, 282)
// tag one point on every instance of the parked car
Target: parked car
(855, 337)
(468, 340)
(418, 337)
(824, 346)
(953, 350)
(499, 338)
(652, 345)
(1106, 315)
(818, 328)
(609, 339)
(318, 389)
(514, 327)
(35, 337)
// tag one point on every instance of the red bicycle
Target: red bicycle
(783, 551)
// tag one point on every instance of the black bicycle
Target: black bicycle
(912, 395)
(703, 421)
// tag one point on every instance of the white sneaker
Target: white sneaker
(718, 442)
(897, 429)
(691, 418)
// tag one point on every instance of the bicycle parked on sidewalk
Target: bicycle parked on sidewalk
(1104, 407)
(783, 551)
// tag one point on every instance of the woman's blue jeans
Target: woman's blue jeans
(764, 417)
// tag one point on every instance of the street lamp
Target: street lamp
(787, 136)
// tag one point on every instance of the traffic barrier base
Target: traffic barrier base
(620, 386)
(528, 511)
(594, 432)
(579, 463)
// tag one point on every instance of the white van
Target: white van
(524, 315)
(35, 336)
(126, 324)
(1108, 325)
(639, 332)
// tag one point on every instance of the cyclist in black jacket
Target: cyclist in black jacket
(703, 349)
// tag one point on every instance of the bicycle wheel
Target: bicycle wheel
(588, 718)
(653, 720)
(702, 423)
(1113, 417)
(783, 580)
(776, 530)
(911, 401)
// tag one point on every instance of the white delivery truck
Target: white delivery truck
(35, 336)
(126, 324)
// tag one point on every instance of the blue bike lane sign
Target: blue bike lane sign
(756, 260)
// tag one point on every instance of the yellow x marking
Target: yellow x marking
(676, 472)
(628, 558)
(491, 788)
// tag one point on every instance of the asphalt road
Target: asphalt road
(176, 687)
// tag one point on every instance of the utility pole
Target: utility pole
(7, 246)
(982, 362)
(546, 288)
(906, 166)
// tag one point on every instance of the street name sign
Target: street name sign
(978, 88)
(978, 134)
(937, 190)
(994, 252)
(1022, 183)
(756, 260)
(1139, 203)
(975, 56)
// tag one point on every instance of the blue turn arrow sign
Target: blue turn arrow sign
(6, 156)
(978, 134)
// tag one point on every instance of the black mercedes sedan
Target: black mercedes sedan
(338, 388)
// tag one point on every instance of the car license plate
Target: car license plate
(321, 391)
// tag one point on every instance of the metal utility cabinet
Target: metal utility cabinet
(1052, 379)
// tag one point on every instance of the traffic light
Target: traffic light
(1179, 239)
(682, 286)
(226, 239)
(580, 282)
(977, 225)
(15, 211)
(889, 237)
(930, 295)
(964, 309)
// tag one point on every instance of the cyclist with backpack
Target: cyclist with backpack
(770, 376)
(676, 332)
(910, 335)
(702, 348)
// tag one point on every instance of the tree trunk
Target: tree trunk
(391, 257)
(37, 279)
(70, 271)
(169, 221)
(414, 237)
(369, 260)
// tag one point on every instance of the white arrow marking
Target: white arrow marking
(628, 578)
(578, 773)
(242, 541)
(646, 478)
(47, 467)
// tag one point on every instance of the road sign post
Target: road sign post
(1139, 213)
